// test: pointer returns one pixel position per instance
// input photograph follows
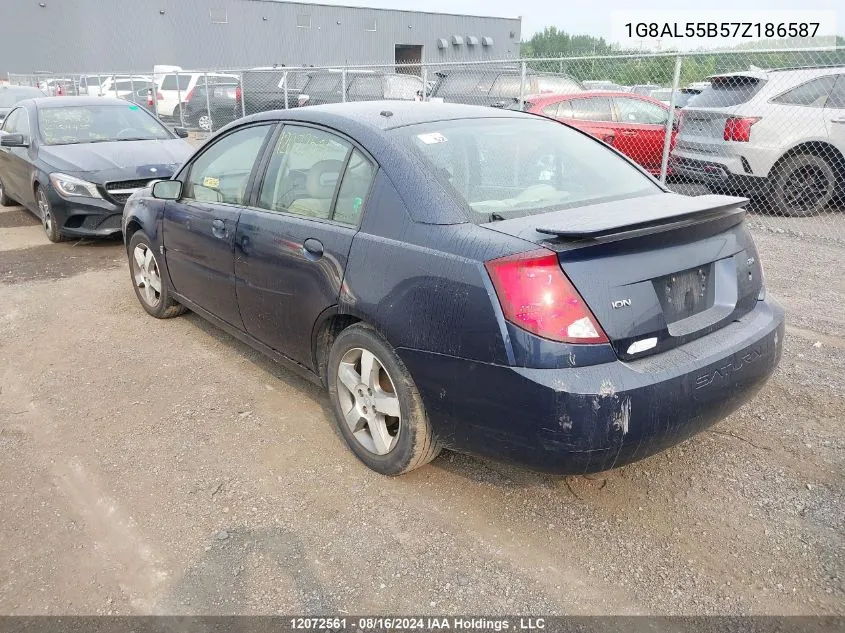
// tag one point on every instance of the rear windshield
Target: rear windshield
(318, 84)
(727, 91)
(557, 83)
(502, 168)
(170, 82)
(466, 83)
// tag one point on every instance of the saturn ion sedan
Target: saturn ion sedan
(74, 161)
(486, 281)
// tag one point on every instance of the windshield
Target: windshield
(501, 168)
(11, 96)
(98, 124)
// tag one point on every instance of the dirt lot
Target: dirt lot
(162, 467)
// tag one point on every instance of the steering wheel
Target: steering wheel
(127, 131)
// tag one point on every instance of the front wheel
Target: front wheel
(5, 201)
(48, 220)
(150, 288)
(803, 185)
(377, 406)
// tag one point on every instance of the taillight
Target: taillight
(536, 295)
(739, 128)
(303, 99)
(238, 93)
(189, 95)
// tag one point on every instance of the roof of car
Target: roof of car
(386, 115)
(60, 102)
(761, 73)
(547, 97)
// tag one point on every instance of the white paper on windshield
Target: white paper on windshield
(432, 137)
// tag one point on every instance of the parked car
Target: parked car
(214, 111)
(263, 89)
(109, 85)
(327, 87)
(682, 96)
(779, 133)
(633, 124)
(144, 96)
(503, 286)
(642, 89)
(176, 89)
(497, 87)
(602, 85)
(11, 95)
(74, 161)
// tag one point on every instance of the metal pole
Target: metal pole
(522, 85)
(243, 103)
(114, 84)
(155, 94)
(425, 83)
(208, 105)
(132, 85)
(99, 85)
(285, 79)
(179, 97)
(670, 122)
(343, 83)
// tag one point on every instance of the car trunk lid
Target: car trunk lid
(657, 271)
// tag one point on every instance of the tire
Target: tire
(177, 115)
(388, 444)
(157, 303)
(5, 201)
(51, 226)
(803, 185)
(203, 122)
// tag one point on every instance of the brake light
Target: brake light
(238, 93)
(189, 95)
(302, 99)
(739, 128)
(536, 295)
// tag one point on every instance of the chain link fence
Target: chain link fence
(765, 124)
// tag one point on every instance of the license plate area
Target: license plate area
(686, 293)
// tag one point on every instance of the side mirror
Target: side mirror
(14, 140)
(167, 189)
(181, 132)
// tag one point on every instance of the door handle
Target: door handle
(313, 247)
(218, 228)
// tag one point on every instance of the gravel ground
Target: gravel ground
(157, 467)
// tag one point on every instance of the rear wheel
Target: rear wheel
(48, 221)
(150, 288)
(203, 122)
(377, 406)
(803, 185)
(5, 201)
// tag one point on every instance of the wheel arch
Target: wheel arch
(329, 324)
(823, 149)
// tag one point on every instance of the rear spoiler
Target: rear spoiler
(611, 218)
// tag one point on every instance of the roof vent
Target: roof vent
(487, 41)
(457, 40)
(472, 40)
(442, 43)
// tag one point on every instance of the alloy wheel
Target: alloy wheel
(146, 275)
(44, 208)
(205, 123)
(805, 187)
(368, 401)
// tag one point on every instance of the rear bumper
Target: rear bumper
(580, 420)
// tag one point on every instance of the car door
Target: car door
(292, 246)
(834, 115)
(199, 228)
(641, 130)
(15, 161)
(593, 115)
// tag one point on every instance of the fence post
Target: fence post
(154, 93)
(99, 85)
(285, 79)
(208, 106)
(131, 85)
(425, 83)
(179, 97)
(343, 83)
(670, 121)
(243, 102)
(522, 85)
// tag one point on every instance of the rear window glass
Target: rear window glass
(175, 82)
(465, 83)
(727, 91)
(557, 83)
(318, 84)
(547, 166)
(10, 96)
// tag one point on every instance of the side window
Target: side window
(354, 189)
(304, 172)
(837, 95)
(564, 110)
(221, 173)
(638, 111)
(551, 110)
(813, 93)
(592, 109)
(363, 88)
(11, 122)
(169, 82)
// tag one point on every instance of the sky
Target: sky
(573, 17)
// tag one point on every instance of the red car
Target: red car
(633, 124)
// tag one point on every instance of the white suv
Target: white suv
(175, 89)
(778, 133)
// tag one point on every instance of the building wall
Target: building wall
(123, 35)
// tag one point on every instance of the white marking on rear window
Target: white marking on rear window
(432, 137)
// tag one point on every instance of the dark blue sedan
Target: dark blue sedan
(458, 277)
